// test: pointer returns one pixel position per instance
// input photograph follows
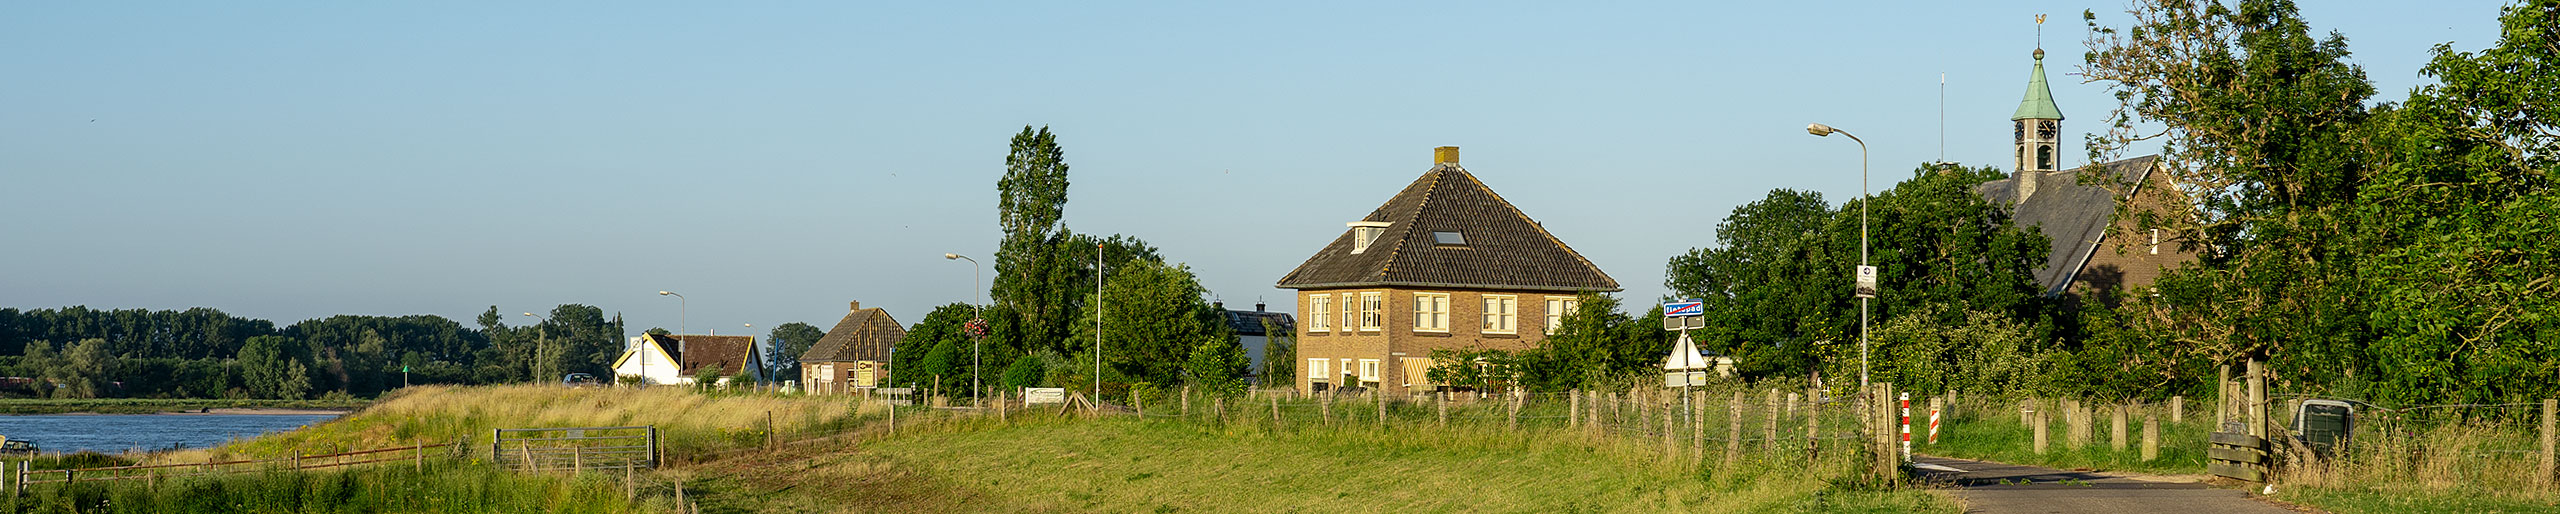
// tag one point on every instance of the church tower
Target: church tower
(2038, 124)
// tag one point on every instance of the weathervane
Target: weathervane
(2039, 32)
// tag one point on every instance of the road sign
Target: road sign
(1866, 281)
(1685, 308)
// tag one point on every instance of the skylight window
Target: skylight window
(1449, 238)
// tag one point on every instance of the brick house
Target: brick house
(2088, 258)
(854, 354)
(1446, 263)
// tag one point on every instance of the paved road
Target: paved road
(1995, 488)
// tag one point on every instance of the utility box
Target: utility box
(2325, 425)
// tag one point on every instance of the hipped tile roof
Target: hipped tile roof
(1504, 248)
(2073, 215)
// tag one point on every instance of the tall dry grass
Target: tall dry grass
(2455, 465)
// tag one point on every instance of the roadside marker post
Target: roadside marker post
(1906, 427)
(1933, 426)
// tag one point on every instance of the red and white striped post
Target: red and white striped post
(1933, 426)
(1906, 427)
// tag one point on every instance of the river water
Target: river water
(115, 433)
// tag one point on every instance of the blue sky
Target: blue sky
(775, 160)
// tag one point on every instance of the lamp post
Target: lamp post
(1820, 130)
(542, 349)
(1097, 324)
(977, 314)
(682, 305)
(759, 354)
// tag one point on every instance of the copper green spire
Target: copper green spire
(2038, 105)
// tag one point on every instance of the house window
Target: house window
(1373, 307)
(1448, 239)
(1316, 370)
(1368, 370)
(1365, 232)
(1415, 370)
(1319, 312)
(1350, 317)
(1501, 314)
(1557, 306)
(2155, 241)
(1431, 312)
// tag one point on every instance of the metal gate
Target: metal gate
(574, 448)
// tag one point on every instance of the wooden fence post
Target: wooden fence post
(1698, 428)
(1186, 401)
(1812, 423)
(1769, 426)
(2257, 398)
(421, 449)
(2116, 433)
(1275, 411)
(1573, 409)
(1443, 400)
(1733, 430)
(1516, 402)
(2037, 424)
(1381, 396)
(2150, 436)
(1670, 441)
(769, 437)
(2177, 409)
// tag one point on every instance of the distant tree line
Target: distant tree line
(205, 353)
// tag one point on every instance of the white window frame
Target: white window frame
(1501, 314)
(1316, 371)
(1350, 317)
(1319, 312)
(1373, 311)
(1431, 312)
(1369, 370)
(1557, 306)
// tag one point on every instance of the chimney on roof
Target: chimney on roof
(1257, 307)
(857, 306)
(1444, 155)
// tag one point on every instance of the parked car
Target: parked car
(580, 380)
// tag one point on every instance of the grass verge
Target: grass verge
(445, 489)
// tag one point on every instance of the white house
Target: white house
(670, 359)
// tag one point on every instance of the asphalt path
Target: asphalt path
(1996, 488)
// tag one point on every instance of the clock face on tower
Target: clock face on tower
(2021, 127)
(2044, 129)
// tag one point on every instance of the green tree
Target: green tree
(85, 367)
(1028, 371)
(276, 367)
(1030, 199)
(947, 362)
(1279, 355)
(1153, 316)
(1216, 367)
(2258, 122)
(788, 342)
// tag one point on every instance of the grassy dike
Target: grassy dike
(940, 461)
(1125, 464)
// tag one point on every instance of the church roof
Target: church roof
(1447, 229)
(2071, 214)
(2038, 105)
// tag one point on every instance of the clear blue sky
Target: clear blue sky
(290, 161)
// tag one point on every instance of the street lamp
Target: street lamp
(1820, 130)
(682, 305)
(978, 314)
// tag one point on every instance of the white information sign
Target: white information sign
(1043, 395)
(1866, 281)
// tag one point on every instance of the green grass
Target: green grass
(153, 406)
(446, 489)
(1991, 431)
(1121, 464)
